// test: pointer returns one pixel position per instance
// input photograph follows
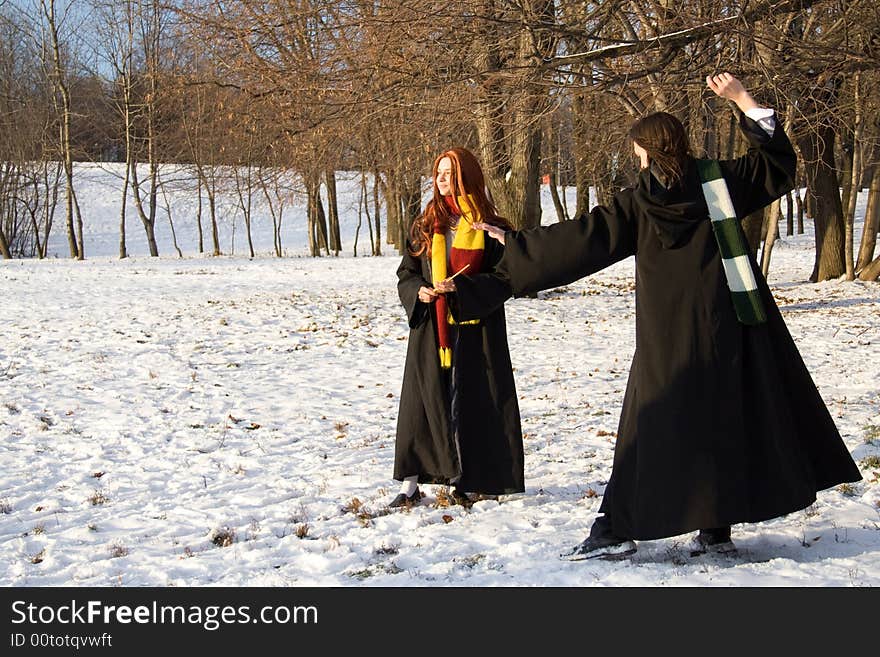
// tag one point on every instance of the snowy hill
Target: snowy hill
(227, 421)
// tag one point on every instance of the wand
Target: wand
(458, 272)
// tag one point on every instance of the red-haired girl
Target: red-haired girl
(459, 420)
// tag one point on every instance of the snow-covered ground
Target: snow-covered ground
(227, 421)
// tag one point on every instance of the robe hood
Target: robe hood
(674, 212)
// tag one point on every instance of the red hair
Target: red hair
(467, 180)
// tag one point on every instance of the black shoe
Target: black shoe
(460, 498)
(405, 500)
(605, 547)
(713, 541)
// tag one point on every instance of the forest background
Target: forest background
(245, 93)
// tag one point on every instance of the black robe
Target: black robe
(484, 417)
(721, 422)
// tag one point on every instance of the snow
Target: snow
(230, 421)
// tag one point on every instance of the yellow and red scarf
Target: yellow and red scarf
(467, 249)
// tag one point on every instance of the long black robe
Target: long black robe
(721, 422)
(484, 418)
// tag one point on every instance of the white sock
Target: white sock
(410, 485)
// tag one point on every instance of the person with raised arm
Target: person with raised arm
(721, 422)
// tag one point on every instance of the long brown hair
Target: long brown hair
(467, 179)
(666, 142)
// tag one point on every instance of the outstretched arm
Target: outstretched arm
(766, 172)
(548, 256)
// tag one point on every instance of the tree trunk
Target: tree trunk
(245, 191)
(789, 214)
(199, 213)
(854, 180)
(753, 226)
(800, 205)
(317, 218)
(277, 213)
(871, 272)
(362, 203)
(582, 172)
(823, 191)
(392, 210)
(148, 220)
(39, 246)
(170, 220)
(123, 251)
(411, 207)
(366, 210)
(74, 241)
(211, 190)
(377, 248)
(4, 245)
(154, 200)
(872, 222)
(310, 228)
(772, 213)
(333, 212)
(511, 154)
(51, 203)
(554, 194)
(524, 187)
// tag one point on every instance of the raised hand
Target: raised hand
(727, 86)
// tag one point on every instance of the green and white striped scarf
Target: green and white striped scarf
(731, 244)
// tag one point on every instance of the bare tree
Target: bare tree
(58, 74)
(117, 33)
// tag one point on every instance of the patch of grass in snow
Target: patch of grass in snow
(5, 507)
(377, 569)
(356, 507)
(97, 498)
(254, 529)
(471, 561)
(872, 433)
(117, 550)
(223, 537)
(847, 489)
(872, 462)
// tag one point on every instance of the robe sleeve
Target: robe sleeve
(549, 256)
(409, 280)
(480, 295)
(763, 174)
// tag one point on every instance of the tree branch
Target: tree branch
(681, 37)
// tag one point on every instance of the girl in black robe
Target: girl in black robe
(459, 421)
(721, 422)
